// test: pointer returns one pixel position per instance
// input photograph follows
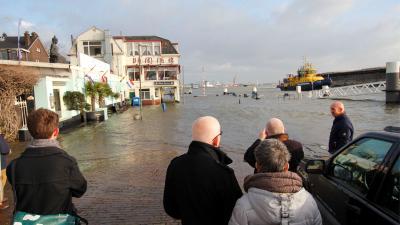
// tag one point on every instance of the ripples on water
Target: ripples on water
(307, 120)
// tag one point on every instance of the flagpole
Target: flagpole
(19, 50)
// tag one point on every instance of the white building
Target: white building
(146, 63)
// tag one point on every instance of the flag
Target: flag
(104, 77)
(90, 79)
(129, 84)
(19, 55)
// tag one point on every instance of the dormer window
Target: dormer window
(157, 48)
(146, 48)
(92, 48)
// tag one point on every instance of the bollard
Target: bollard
(136, 117)
(392, 82)
(298, 90)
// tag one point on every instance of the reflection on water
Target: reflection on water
(307, 120)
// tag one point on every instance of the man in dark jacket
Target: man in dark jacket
(46, 177)
(275, 129)
(342, 129)
(200, 188)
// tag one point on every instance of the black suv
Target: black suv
(359, 184)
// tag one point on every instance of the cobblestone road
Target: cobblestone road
(125, 176)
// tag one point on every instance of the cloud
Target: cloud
(26, 24)
(255, 40)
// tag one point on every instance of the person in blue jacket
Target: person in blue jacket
(342, 129)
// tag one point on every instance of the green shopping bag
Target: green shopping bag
(23, 218)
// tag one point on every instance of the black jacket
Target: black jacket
(200, 188)
(295, 149)
(46, 179)
(341, 133)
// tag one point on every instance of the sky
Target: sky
(252, 40)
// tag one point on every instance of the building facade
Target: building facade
(31, 48)
(147, 65)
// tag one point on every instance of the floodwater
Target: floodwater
(306, 120)
(125, 160)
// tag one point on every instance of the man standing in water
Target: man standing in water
(200, 188)
(342, 129)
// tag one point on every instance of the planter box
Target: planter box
(95, 116)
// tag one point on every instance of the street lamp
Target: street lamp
(140, 83)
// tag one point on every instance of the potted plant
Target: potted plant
(75, 100)
(99, 91)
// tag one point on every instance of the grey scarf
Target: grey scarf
(40, 143)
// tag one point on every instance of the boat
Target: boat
(307, 78)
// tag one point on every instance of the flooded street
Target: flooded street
(125, 160)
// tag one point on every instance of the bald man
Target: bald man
(342, 129)
(275, 129)
(200, 187)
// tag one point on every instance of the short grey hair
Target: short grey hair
(271, 155)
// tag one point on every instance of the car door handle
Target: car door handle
(354, 209)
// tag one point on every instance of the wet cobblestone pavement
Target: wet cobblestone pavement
(126, 175)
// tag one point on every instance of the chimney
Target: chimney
(3, 37)
(27, 39)
(34, 35)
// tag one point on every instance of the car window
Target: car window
(391, 191)
(357, 164)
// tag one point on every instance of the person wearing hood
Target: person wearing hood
(46, 177)
(276, 130)
(274, 195)
(200, 187)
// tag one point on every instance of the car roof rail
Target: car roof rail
(392, 129)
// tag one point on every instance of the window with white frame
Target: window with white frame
(133, 73)
(129, 46)
(151, 75)
(92, 48)
(3, 54)
(157, 48)
(145, 94)
(136, 47)
(146, 48)
(38, 49)
(170, 75)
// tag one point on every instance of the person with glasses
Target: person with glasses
(200, 187)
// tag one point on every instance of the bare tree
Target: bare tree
(14, 81)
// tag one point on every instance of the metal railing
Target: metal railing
(352, 90)
(24, 111)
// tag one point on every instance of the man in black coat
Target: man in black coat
(342, 129)
(46, 177)
(275, 129)
(200, 187)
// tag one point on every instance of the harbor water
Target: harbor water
(306, 120)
